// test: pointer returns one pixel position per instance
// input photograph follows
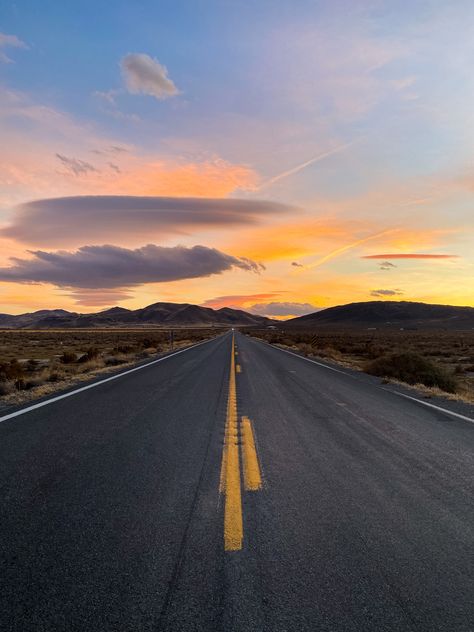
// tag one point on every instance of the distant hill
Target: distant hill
(158, 314)
(389, 314)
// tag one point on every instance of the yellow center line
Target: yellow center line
(252, 476)
(230, 478)
(230, 469)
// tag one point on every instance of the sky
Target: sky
(271, 155)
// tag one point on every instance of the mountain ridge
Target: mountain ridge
(160, 313)
(389, 314)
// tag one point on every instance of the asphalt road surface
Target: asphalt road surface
(259, 493)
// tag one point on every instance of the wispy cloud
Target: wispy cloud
(9, 41)
(76, 166)
(354, 244)
(112, 149)
(290, 172)
(412, 255)
(107, 95)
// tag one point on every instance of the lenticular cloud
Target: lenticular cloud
(112, 267)
(99, 219)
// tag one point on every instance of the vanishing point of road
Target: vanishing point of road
(236, 487)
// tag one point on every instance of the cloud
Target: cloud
(92, 218)
(144, 75)
(11, 41)
(113, 149)
(303, 165)
(108, 99)
(75, 166)
(297, 265)
(107, 95)
(283, 309)
(386, 265)
(237, 300)
(100, 297)
(107, 266)
(114, 167)
(354, 244)
(410, 256)
(29, 167)
(396, 292)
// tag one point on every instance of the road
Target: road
(236, 491)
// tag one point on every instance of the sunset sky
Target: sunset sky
(278, 156)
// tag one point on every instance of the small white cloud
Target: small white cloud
(144, 75)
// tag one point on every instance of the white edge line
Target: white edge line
(420, 401)
(107, 379)
(297, 355)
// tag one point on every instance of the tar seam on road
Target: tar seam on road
(182, 547)
(86, 388)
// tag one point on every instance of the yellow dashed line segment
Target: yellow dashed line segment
(252, 476)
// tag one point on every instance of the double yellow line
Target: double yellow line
(230, 484)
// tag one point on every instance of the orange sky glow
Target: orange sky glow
(262, 188)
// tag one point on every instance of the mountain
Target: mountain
(389, 314)
(158, 314)
(8, 321)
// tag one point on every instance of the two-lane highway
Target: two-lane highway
(236, 487)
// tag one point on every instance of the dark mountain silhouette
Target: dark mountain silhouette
(389, 314)
(164, 314)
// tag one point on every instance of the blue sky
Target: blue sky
(358, 113)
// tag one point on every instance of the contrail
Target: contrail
(339, 251)
(303, 165)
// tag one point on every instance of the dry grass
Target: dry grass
(452, 353)
(37, 363)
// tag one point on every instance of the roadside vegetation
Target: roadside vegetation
(436, 362)
(412, 368)
(36, 363)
